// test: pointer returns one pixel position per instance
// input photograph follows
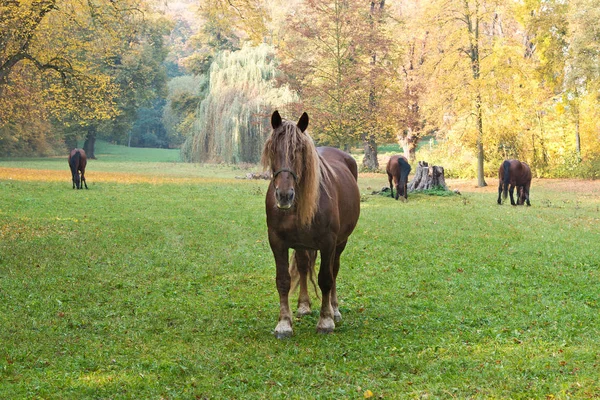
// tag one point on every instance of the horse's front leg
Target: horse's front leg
(326, 284)
(391, 187)
(283, 282)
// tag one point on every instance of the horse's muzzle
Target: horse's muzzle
(285, 199)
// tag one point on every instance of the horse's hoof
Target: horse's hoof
(283, 335)
(283, 330)
(325, 325)
(303, 310)
(337, 316)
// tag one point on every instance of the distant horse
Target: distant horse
(397, 170)
(312, 204)
(514, 173)
(77, 162)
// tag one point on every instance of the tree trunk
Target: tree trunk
(427, 177)
(473, 20)
(577, 137)
(480, 155)
(370, 161)
(90, 142)
(409, 144)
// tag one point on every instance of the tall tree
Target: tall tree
(582, 69)
(376, 46)
(407, 105)
(566, 38)
(138, 70)
(65, 50)
(227, 25)
(331, 56)
(467, 33)
(50, 47)
(232, 120)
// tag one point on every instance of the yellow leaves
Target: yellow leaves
(368, 394)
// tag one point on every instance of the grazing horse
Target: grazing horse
(312, 204)
(77, 162)
(397, 170)
(514, 173)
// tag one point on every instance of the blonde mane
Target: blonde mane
(312, 171)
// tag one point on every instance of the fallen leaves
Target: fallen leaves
(47, 175)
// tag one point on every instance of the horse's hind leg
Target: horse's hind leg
(500, 192)
(302, 262)
(337, 316)
(511, 191)
(83, 179)
(326, 322)
(526, 193)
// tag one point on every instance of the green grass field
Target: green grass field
(165, 289)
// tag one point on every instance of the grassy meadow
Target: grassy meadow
(158, 283)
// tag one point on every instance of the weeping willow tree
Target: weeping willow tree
(233, 119)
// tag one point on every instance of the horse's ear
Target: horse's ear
(275, 120)
(303, 122)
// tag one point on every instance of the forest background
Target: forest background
(463, 84)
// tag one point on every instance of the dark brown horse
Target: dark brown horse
(514, 173)
(397, 170)
(312, 204)
(77, 163)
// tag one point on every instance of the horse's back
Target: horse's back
(392, 165)
(397, 163)
(526, 174)
(519, 172)
(339, 160)
(77, 159)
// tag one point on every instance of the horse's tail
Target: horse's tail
(74, 162)
(295, 274)
(506, 180)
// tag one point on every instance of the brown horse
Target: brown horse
(312, 204)
(514, 173)
(397, 170)
(77, 163)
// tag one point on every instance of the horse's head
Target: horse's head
(400, 192)
(292, 157)
(77, 179)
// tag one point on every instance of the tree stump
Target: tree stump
(427, 177)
